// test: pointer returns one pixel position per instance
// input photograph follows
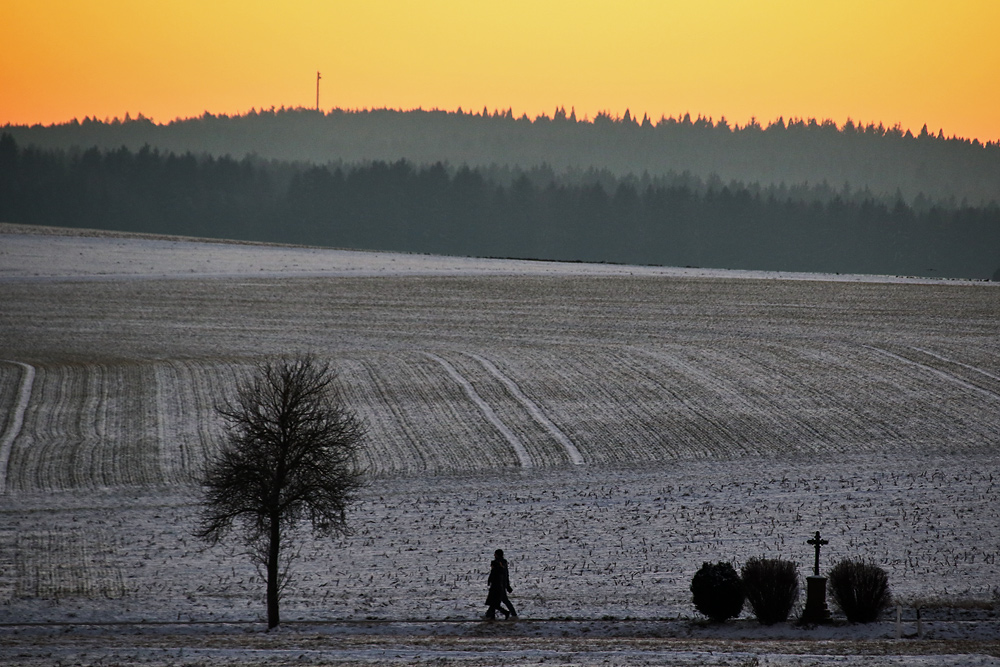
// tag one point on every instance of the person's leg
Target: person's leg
(510, 608)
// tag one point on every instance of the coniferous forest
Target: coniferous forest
(557, 188)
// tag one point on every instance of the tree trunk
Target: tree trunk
(273, 548)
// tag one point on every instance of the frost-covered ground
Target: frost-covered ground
(36, 252)
(717, 415)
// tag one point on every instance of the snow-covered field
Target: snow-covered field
(609, 427)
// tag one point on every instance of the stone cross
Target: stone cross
(817, 542)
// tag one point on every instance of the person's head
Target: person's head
(498, 554)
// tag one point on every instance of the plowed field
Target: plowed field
(610, 432)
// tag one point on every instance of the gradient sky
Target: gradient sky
(892, 61)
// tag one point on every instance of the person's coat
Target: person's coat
(499, 583)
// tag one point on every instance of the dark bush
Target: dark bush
(718, 591)
(772, 588)
(861, 590)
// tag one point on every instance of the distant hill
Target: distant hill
(678, 220)
(887, 162)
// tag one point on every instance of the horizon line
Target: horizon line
(570, 116)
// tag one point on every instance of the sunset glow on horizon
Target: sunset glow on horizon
(909, 62)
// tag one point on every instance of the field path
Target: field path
(14, 428)
(522, 453)
(574, 454)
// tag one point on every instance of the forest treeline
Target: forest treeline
(674, 220)
(887, 161)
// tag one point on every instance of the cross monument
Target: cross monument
(816, 610)
(817, 542)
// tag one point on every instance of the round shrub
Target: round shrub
(772, 588)
(718, 591)
(861, 590)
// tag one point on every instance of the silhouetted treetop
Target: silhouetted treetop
(883, 160)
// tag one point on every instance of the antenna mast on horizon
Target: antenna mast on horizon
(318, 77)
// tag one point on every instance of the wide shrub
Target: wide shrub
(861, 590)
(771, 587)
(718, 591)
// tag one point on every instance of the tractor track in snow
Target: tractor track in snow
(522, 453)
(536, 413)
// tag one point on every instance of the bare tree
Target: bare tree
(290, 457)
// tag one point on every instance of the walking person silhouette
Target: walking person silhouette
(499, 582)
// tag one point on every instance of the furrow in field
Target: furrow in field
(542, 448)
(985, 357)
(388, 438)
(410, 453)
(515, 442)
(539, 416)
(828, 397)
(939, 408)
(840, 395)
(742, 424)
(857, 399)
(82, 413)
(175, 443)
(45, 434)
(698, 419)
(12, 424)
(418, 418)
(739, 423)
(189, 429)
(12, 375)
(973, 374)
(717, 401)
(88, 426)
(129, 425)
(564, 389)
(799, 416)
(609, 411)
(647, 416)
(978, 364)
(588, 397)
(126, 450)
(453, 424)
(735, 405)
(10, 384)
(943, 375)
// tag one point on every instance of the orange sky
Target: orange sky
(892, 61)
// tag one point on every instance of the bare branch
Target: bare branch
(290, 455)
